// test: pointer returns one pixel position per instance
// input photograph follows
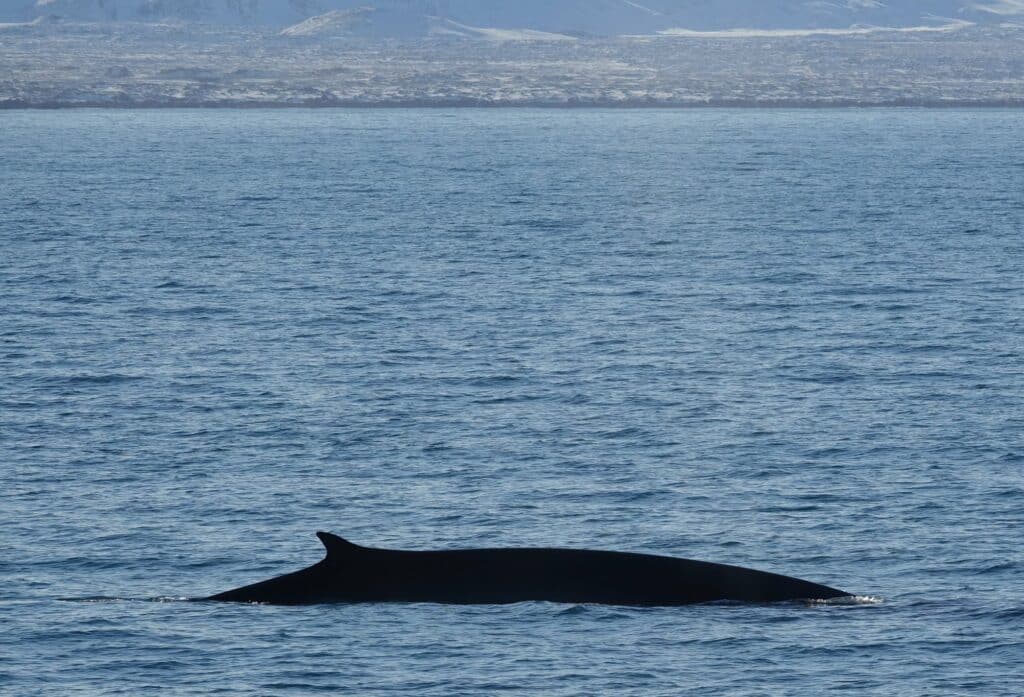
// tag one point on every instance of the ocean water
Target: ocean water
(791, 340)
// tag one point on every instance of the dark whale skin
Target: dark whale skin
(354, 574)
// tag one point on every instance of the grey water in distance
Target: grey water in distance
(788, 340)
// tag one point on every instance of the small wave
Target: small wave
(358, 190)
(848, 600)
(472, 170)
(198, 311)
(73, 299)
(1010, 613)
(805, 508)
(108, 379)
(122, 599)
(169, 599)
(544, 223)
(997, 568)
(572, 610)
(622, 433)
(95, 599)
(482, 380)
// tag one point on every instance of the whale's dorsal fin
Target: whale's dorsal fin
(337, 547)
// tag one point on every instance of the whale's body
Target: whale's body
(352, 574)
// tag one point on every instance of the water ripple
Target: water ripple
(785, 340)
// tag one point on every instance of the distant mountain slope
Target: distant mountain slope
(574, 17)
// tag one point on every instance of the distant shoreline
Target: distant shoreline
(1017, 103)
(217, 69)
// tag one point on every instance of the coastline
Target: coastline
(22, 105)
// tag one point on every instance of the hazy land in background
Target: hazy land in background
(560, 53)
(161, 65)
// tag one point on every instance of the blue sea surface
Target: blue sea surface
(789, 340)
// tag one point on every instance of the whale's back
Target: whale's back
(351, 573)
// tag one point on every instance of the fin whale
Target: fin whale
(351, 573)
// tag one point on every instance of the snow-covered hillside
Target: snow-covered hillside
(411, 18)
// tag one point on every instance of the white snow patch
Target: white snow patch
(329, 22)
(1001, 7)
(954, 25)
(642, 8)
(34, 23)
(451, 28)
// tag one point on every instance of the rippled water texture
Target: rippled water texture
(786, 340)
